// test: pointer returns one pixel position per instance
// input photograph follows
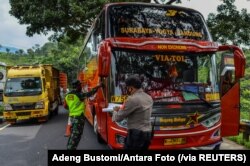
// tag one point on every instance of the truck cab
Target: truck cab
(31, 92)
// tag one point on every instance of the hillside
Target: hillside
(11, 49)
(14, 59)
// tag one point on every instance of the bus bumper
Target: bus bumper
(200, 139)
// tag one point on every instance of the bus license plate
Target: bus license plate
(174, 141)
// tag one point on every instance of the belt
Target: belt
(77, 116)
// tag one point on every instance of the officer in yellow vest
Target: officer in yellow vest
(74, 103)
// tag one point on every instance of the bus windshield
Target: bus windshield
(168, 77)
(156, 21)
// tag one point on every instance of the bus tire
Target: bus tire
(217, 147)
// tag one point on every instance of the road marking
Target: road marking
(4, 127)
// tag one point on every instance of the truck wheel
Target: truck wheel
(98, 136)
(12, 122)
(43, 119)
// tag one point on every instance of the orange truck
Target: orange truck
(63, 85)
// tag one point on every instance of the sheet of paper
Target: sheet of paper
(110, 107)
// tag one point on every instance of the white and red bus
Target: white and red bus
(172, 51)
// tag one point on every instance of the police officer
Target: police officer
(137, 109)
(74, 103)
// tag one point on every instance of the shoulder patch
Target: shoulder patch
(70, 97)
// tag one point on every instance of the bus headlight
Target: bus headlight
(211, 121)
(39, 105)
(7, 107)
(123, 123)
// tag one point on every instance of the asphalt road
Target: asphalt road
(27, 143)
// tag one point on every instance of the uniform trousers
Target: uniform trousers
(76, 131)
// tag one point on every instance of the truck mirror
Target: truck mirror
(239, 63)
(104, 58)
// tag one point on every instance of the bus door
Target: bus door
(230, 97)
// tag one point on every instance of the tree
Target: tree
(63, 17)
(7, 50)
(230, 25)
(20, 52)
(62, 55)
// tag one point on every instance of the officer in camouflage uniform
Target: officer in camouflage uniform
(74, 103)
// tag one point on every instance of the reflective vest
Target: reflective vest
(76, 106)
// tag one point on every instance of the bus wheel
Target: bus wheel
(217, 147)
(95, 125)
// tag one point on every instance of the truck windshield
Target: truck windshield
(23, 86)
(156, 21)
(176, 78)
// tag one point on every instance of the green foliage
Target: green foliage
(63, 55)
(203, 74)
(245, 90)
(239, 139)
(230, 25)
(71, 18)
(14, 59)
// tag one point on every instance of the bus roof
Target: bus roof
(152, 4)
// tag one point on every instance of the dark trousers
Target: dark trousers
(137, 140)
(76, 132)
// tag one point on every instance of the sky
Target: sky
(13, 34)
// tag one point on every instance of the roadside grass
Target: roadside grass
(239, 140)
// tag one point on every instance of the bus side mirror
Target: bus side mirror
(104, 59)
(239, 59)
(239, 63)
